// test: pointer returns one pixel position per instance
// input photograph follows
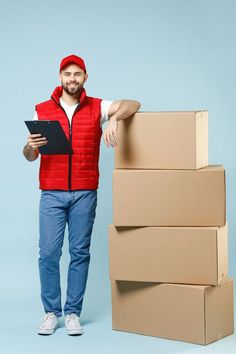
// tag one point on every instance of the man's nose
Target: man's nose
(72, 77)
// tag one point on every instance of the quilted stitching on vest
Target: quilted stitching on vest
(55, 170)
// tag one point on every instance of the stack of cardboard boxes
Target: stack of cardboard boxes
(168, 243)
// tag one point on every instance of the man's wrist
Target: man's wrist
(30, 150)
(113, 118)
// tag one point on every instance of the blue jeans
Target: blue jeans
(78, 209)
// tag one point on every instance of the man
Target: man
(68, 186)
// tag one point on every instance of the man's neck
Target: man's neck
(71, 100)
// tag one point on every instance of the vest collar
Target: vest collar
(58, 92)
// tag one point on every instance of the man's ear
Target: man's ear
(85, 78)
(59, 77)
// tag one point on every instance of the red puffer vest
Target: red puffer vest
(78, 170)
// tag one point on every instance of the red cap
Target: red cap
(72, 59)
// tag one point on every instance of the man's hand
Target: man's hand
(121, 109)
(35, 141)
(110, 133)
(30, 150)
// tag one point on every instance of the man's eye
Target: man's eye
(77, 74)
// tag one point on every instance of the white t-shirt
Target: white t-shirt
(105, 105)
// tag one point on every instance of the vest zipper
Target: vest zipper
(70, 158)
(70, 140)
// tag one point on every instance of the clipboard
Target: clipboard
(53, 132)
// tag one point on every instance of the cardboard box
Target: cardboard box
(190, 255)
(163, 140)
(191, 313)
(169, 197)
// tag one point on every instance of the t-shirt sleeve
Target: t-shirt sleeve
(35, 117)
(105, 105)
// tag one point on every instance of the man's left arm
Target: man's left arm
(118, 110)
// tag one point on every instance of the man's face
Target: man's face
(72, 79)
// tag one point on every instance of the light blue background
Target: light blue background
(169, 55)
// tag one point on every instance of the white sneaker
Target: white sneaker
(73, 325)
(49, 324)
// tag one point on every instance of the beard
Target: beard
(72, 90)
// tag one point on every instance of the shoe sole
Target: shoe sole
(48, 332)
(75, 332)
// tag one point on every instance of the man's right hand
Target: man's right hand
(31, 150)
(35, 141)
